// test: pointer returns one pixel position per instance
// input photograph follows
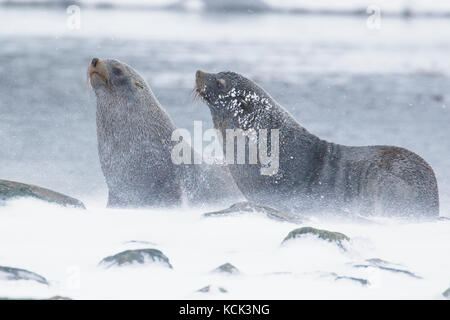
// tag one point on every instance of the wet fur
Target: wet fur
(134, 145)
(315, 175)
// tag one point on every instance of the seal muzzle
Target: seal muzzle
(201, 79)
(98, 72)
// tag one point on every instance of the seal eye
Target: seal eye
(221, 83)
(117, 71)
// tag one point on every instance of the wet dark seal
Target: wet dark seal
(315, 175)
(134, 145)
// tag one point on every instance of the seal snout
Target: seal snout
(200, 74)
(200, 80)
(94, 62)
(98, 72)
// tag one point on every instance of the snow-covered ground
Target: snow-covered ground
(66, 245)
(344, 82)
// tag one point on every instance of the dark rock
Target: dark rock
(12, 190)
(386, 266)
(59, 298)
(246, 6)
(24, 298)
(330, 236)
(378, 262)
(361, 281)
(226, 268)
(250, 207)
(139, 256)
(204, 289)
(210, 288)
(9, 273)
(406, 272)
(446, 293)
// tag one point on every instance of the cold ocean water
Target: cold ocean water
(342, 81)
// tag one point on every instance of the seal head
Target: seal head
(236, 102)
(111, 76)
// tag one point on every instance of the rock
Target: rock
(25, 298)
(226, 268)
(139, 256)
(204, 289)
(12, 190)
(406, 272)
(446, 293)
(378, 262)
(386, 266)
(363, 282)
(212, 289)
(245, 6)
(9, 273)
(330, 236)
(250, 207)
(59, 298)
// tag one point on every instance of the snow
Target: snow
(66, 245)
(341, 81)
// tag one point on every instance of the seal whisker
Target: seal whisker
(196, 94)
(88, 83)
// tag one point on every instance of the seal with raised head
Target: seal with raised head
(134, 144)
(133, 134)
(315, 175)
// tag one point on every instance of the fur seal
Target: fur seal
(134, 145)
(315, 175)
